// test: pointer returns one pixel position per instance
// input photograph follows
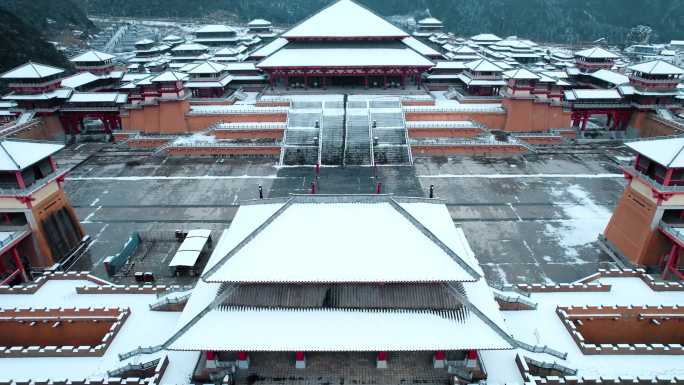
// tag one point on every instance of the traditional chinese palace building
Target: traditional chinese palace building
(283, 292)
(344, 44)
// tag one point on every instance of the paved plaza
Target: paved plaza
(529, 219)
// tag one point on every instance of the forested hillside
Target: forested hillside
(569, 21)
(26, 25)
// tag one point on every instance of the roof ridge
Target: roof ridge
(2, 145)
(247, 239)
(435, 239)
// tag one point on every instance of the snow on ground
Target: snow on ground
(586, 219)
(194, 139)
(142, 328)
(543, 326)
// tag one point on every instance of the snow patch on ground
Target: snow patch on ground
(585, 220)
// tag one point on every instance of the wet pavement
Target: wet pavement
(531, 219)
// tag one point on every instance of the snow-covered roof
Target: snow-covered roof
(209, 84)
(16, 155)
(480, 82)
(270, 48)
(190, 47)
(31, 70)
(483, 65)
(577, 94)
(315, 252)
(475, 326)
(169, 76)
(485, 37)
(91, 57)
(521, 74)
(216, 28)
(144, 42)
(208, 67)
(667, 152)
(241, 66)
(172, 38)
(344, 19)
(449, 65)
(421, 47)
(610, 77)
(259, 23)
(79, 79)
(657, 67)
(98, 97)
(463, 50)
(60, 93)
(230, 51)
(345, 55)
(596, 53)
(430, 21)
(191, 248)
(354, 330)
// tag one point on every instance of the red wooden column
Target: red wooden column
(300, 360)
(471, 359)
(671, 263)
(20, 266)
(20, 179)
(381, 360)
(585, 119)
(439, 360)
(243, 360)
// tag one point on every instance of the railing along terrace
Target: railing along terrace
(39, 183)
(630, 169)
(16, 232)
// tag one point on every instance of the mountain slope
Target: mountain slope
(19, 43)
(544, 20)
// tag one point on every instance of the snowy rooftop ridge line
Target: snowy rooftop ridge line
(374, 248)
(345, 19)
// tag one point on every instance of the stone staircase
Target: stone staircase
(332, 137)
(389, 134)
(302, 135)
(357, 148)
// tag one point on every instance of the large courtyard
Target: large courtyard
(530, 219)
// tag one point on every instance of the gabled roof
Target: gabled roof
(667, 152)
(270, 48)
(79, 79)
(657, 67)
(314, 253)
(521, 74)
(596, 53)
(483, 65)
(31, 70)
(98, 97)
(464, 49)
(486, 37)
(420, 47)
(91, 57)
(216, 28)
(208, 67)
(610, 77)
(144, 42)
(596, 94)
(430, 21)
(345, 19)
(169, 76)
(16, 155)
(190, 47)
(172, 38)
(259, 23)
